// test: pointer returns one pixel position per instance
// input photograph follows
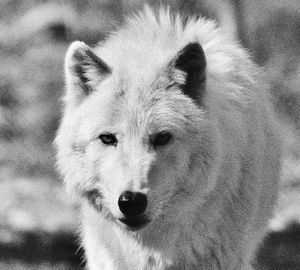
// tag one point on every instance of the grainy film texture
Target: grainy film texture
(38, 220)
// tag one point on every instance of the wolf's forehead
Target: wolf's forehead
(141, 84)
(138, 97)
(140, 104)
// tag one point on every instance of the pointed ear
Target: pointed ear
(188, 70)
(84, 70)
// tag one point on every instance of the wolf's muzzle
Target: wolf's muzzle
(133, 205)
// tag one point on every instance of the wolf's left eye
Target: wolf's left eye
(161, 138)
(108, 138)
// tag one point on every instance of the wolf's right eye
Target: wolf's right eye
(108, 138)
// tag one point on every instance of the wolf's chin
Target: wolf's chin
(134, 224)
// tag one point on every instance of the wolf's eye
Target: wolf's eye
(161, 138)
(108, 138)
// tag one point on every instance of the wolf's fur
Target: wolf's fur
(210, 190)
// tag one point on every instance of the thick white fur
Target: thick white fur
(211, 190)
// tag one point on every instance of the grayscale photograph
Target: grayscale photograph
(150, 135)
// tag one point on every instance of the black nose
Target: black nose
(132, 204)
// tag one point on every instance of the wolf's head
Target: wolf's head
(137, 140)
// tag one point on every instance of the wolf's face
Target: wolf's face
(141, 144)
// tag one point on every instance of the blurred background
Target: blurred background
(37, 220)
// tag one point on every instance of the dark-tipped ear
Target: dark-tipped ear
(84, 70)
(191, 61)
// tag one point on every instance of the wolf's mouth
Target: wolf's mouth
(134, 224)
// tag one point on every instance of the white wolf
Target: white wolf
(169, 142)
